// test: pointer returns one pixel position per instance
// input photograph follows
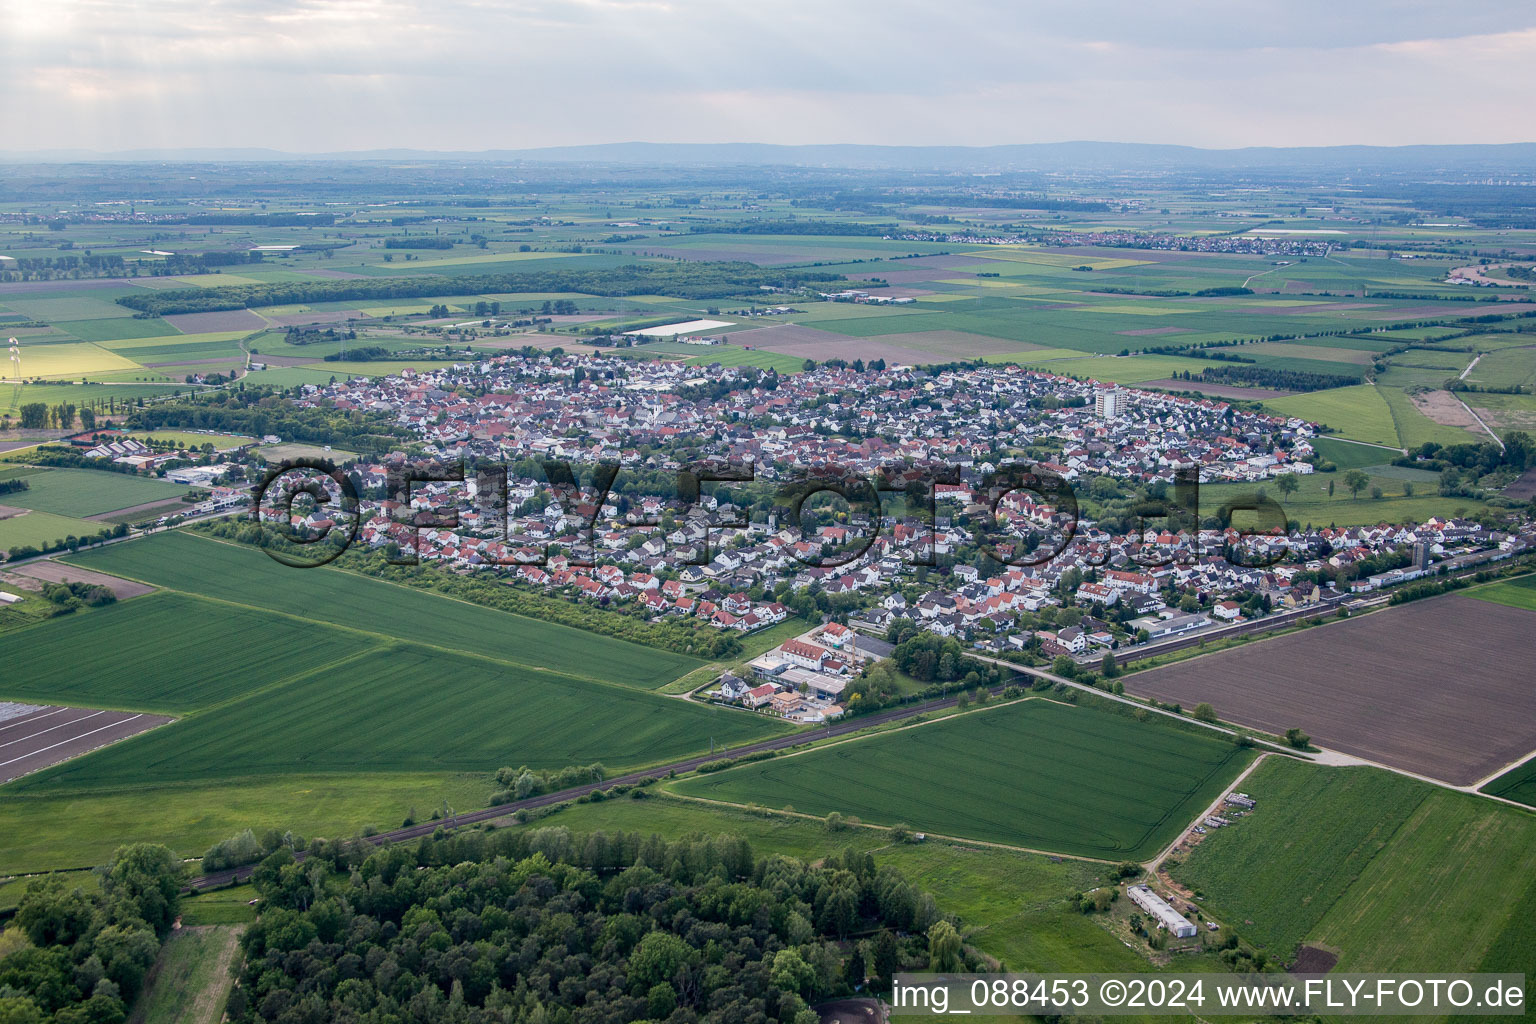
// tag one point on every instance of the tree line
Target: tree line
(693, 280)
(80, 957)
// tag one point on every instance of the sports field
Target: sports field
(244, 576)
(1035, 774)
(86, 492)
(193, 439)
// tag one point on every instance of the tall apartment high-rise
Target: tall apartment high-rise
(1107, 404)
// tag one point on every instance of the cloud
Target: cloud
(471, 74)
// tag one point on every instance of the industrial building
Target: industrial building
(1161, 911)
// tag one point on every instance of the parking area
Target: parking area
(33, 737)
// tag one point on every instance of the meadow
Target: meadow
(192, 977)
(1312, 504)
(239, 575)
(1034, 774)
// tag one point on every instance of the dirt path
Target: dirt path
(208, 1007)
(191, 980)
(1480, 423)
(1153, 865)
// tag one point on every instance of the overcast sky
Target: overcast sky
(317, 75)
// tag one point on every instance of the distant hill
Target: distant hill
(1049, 156)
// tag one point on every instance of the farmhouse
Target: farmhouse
(1161, 911)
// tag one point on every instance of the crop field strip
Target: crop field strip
(245, 576)
(1033, 774)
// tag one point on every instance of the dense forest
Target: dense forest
(1267, 377)
(546, 927)
(255, 414)
(76, 956)
(686, 280)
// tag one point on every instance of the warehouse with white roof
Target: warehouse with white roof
(1162, 912)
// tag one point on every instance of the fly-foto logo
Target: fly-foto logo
(1022, 514)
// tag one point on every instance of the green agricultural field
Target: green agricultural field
(1472, 864)
(1414, 428)
(288, 376)
(1128, 369)
(1309, 839)
(69, 361)
(1506, 368)
(87, 492)
(205, 653)
(1359, 412)
(240, 575)
(98, 395)
(110, 329)
(1517, 784)
(730, 355)
(1348, 455)
(37, 528)
(1372, 864)
(1035, 774)
(407, 708)
(377, 368)
(1517, 593)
